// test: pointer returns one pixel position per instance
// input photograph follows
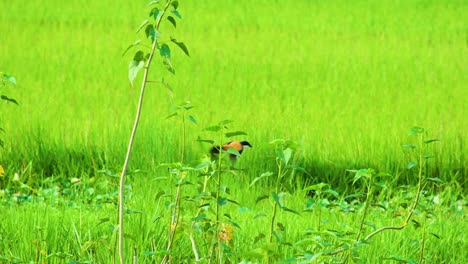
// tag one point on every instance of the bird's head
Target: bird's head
(245, 144)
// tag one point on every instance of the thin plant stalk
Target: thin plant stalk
(366, 207)
(176, 212)
(182, 147)
(174, 223)
(275, 207)
(319, 217)
(132, 139)
(421, 254)
(218, 183)
(273, 217)
(192, 240)
(415, 203)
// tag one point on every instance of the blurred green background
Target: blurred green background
(345, 79)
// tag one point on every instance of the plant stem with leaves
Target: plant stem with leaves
(140, 59)
(415, 203)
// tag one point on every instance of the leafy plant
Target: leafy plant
(319, 202)
(222, 231)
(141, 60)
(284, 158)
(5, 79)
(420, 163)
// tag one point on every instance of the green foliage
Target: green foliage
(5, 80)
(153, 33)
(358, 76)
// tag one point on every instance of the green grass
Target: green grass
(345, 80)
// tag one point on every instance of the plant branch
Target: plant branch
(174, 222)
(366, 207)
(415, 203)
(132, 138)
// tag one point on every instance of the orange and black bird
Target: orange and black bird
(237, 145)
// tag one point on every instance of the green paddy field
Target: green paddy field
(344, 80)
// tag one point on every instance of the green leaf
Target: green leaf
(261, 198)
(8, 99)
(158, 16)
(203, 165)
(431, 140)
(277, 199)
(416, 223)
(9, 78)
(181, 45)
(135, 66)
(168, 64)
(411, 164)
(131, 46)
(222, 201)
(169, 88)
(133, 211)
(417, 130)
(280, 155)
(142, 25)
(290, 210)
(233, 151)
(244, 209)
(381, 185)
(172, 20)
(367, 223)
(332, 192)
(234, 224)
(310, 257)
(380, 206)
(225, 122)
(103, 220)
(436, 179)
(156, 13)
(171, 115)
(296, 167)
(434, 234)
(237, 133)
(357, 176)
(265, 174)
(409, 146)
(291, 260)
(199, 217)
(309, 205)
(316, 187)
(165, 51)
(213, 128)
(280, 226)
(192, 119)
(151, 32)
(153, 2)
(206, 141)
(159, 195)
(259, 237)
(233, 201)
(287, 155)
(259, 215)
(176, 13)
(175, 4)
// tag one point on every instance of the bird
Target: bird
(237, 145)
